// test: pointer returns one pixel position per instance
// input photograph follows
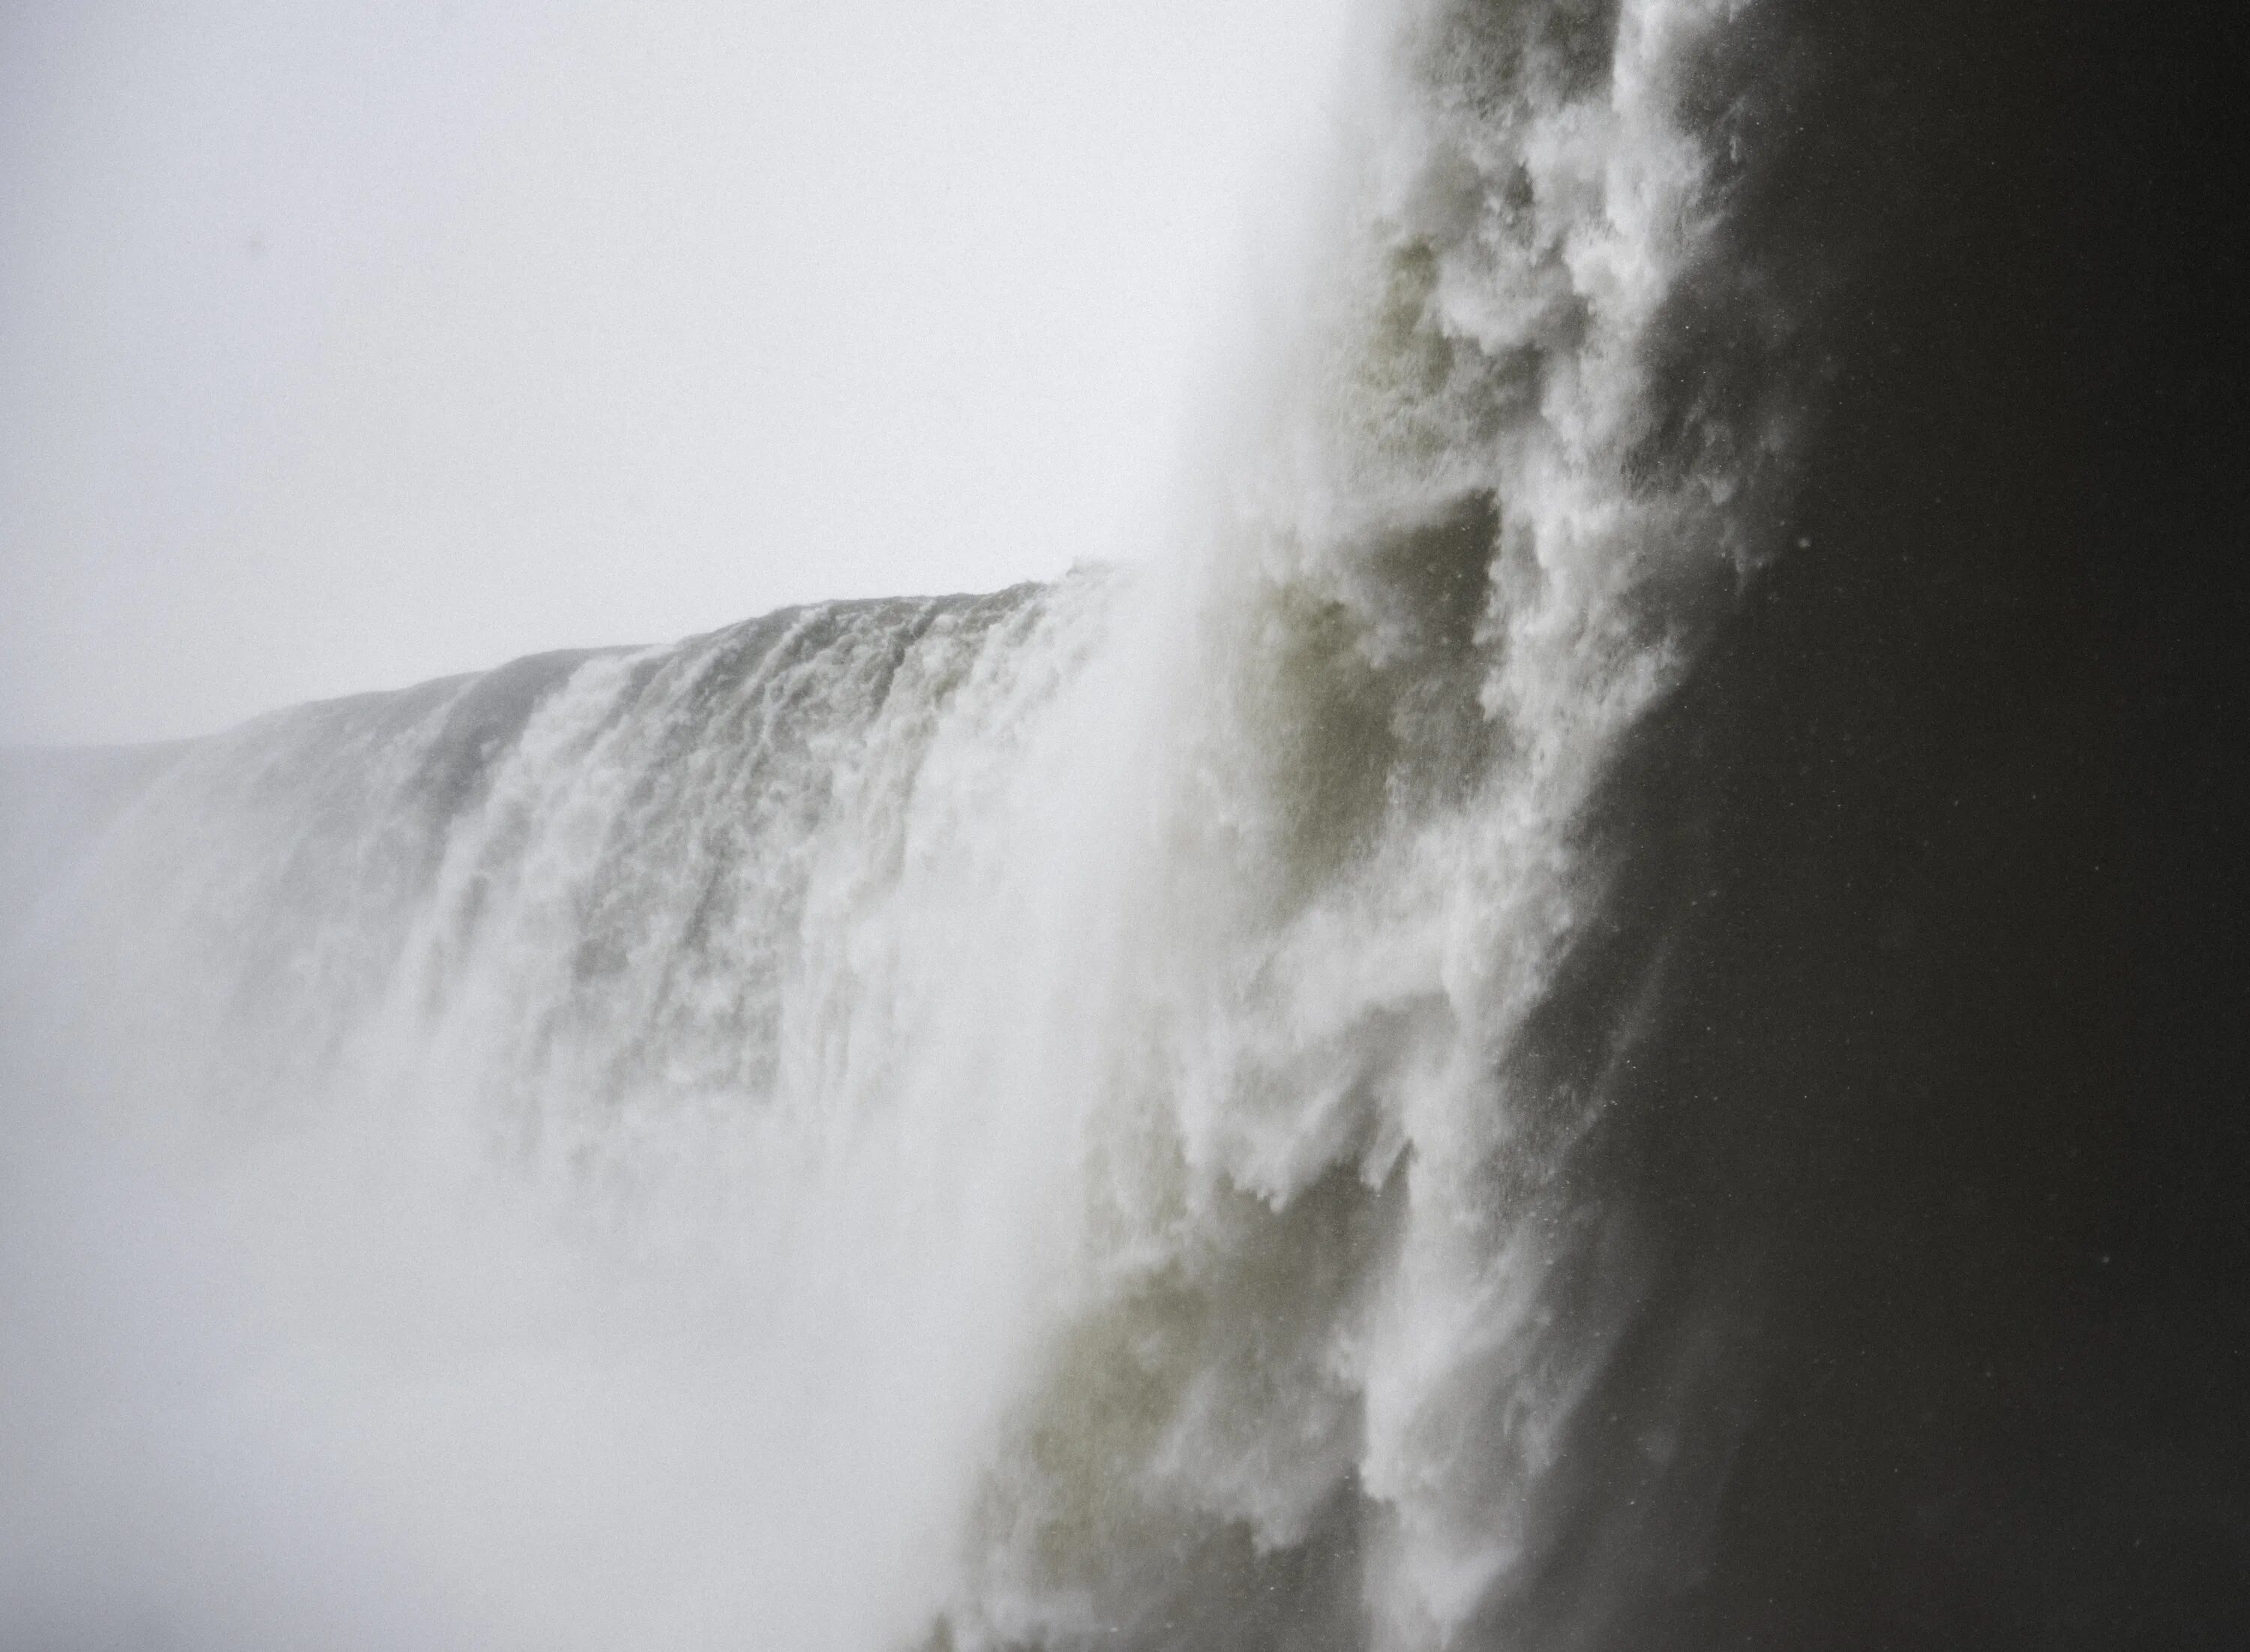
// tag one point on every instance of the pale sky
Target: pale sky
(342, 345)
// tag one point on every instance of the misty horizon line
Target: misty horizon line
(576, 651)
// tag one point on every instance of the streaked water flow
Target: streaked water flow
(999, 1121)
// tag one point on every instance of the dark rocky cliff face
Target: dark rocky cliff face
(1946, 1096)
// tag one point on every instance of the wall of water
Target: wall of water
(1015, 1120)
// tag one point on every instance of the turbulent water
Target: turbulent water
(1149, 1111)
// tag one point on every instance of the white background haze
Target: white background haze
(342, 347)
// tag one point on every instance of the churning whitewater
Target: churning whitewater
(1048, 1120)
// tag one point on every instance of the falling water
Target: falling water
(1057, 1118)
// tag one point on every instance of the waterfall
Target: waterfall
(1014, 1119)
(1144, 1112)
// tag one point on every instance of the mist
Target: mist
(342, 349)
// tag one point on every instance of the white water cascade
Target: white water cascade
(976, 1122)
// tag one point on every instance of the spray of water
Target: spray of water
(1024, 1120)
